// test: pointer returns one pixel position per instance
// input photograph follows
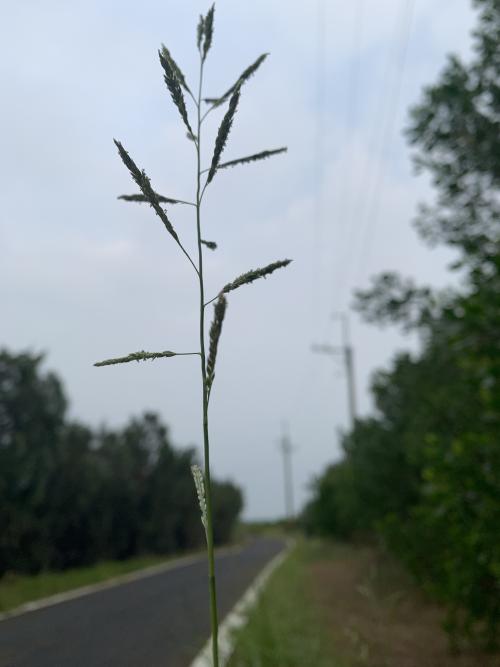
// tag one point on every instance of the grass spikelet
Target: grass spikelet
(215, 331)
(145, 186)
(250, 276)
(210, 244)
(199, 482)
(244, 76)
(174, 87)
(208, 30)
(177, 70)
(253, 158)
(199, 31)
(136, 356)
(142, 199)
(223, 133)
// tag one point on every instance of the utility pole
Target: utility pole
(287, 451)
(349, 364)
(347, 353)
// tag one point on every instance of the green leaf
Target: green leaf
(250, 70)
(223, 133)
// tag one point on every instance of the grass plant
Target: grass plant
(181, 92)
(286, 628)
(17, 589)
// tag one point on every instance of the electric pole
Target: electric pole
(347, 352)
(287, 451)
(349, 364)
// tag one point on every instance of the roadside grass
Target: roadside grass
(342, 605)
(17, 589)
(285, 629)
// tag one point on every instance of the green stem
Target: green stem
(206, 447)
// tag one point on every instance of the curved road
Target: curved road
(161, 620)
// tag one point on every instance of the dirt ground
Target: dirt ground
(377, 616)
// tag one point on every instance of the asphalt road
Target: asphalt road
(161, 620)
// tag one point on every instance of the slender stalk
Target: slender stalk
(206, 448)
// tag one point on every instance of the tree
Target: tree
(70, 496)
(425, 472)
(32, 411)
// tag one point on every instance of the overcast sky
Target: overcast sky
(85, 277)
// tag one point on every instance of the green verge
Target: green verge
(285, 628)
(16, 589)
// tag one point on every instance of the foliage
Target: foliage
(425, 471)
(70, 495)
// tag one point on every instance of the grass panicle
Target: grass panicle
(176, 69)
(250, 276)
(244, 76)
(223, 133)
(145, 186)
(176, 83)
(208, 31)
(139, 356)
(175, 90)
(215, 332)
(252, 158)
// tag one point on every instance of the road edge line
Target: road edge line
(135, 575)
(238, 615)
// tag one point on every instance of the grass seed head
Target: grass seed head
(250, 276)
(215, 332)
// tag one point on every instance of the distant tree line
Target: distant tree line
(424, 472)
(70, 494)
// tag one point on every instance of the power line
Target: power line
(351, 113)
(383, 126)
(318, 157)
(388, 132)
